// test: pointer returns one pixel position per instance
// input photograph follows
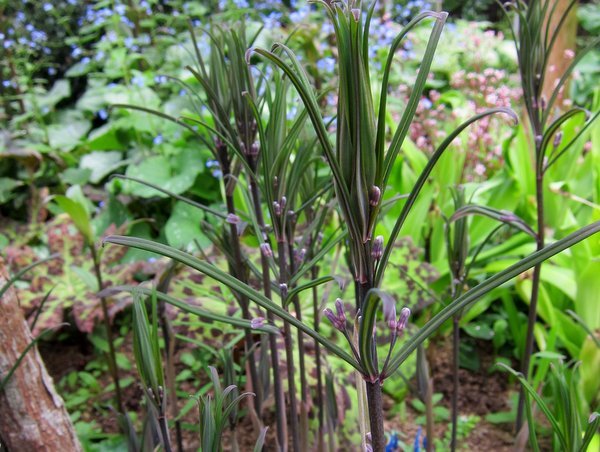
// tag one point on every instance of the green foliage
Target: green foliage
(569, 431)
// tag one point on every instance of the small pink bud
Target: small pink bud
(374, 195)
(403, 319)
(339, 307)
(389, 311)
(377, 250)
(558, 139)
(266, 250)
(232, 218)
(283, 288)
(257, 322)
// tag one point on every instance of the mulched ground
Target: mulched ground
(481, 393)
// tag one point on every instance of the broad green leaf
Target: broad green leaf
(105, 138)
(60, 90)
(78, 214)
(587, 301)
(183, 227)
(100, 163)
(176, 174)
(67, 134)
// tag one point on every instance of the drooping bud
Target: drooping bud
(389, 311)
(266, 250)
(232, 219)
(356, 14)
(257, 322)
(403, 319)
(374, 195)
(377, 250)
(339, 307)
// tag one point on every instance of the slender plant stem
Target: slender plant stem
(112, 356)
(170, 369)
(238, 270)
(316, 319)
(280, 417)
(455, 379)
(301, 363)
(375, 401)
(374, 392)
(535, 290)
(164, 428)
(289, 353)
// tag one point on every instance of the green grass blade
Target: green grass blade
(540, 402)
(488, 285)
(412, 197)
(231, 282)
(24, 270)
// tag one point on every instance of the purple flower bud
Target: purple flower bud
(356, 14)
(266, 250)
(299, 255)
(403, 319)
(257, 322)
(283, 202)
(283, 288)
(538, 140)
(253, 152)
(330, 315)
(277, 208)
(558, 139)
(377, 250)
(374, 195)
(389, 311)
(232, 219)
(337, 322)
(339, 307)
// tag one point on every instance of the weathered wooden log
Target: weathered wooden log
(33, 416)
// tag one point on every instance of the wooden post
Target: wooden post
(560, 59)
(33, 416)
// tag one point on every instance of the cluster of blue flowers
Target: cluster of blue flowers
(405, 11)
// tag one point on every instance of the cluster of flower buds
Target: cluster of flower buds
(279, 206)
(389, 314)
(399, 325)
(337, 320)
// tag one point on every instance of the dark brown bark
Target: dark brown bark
(33, 414)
